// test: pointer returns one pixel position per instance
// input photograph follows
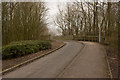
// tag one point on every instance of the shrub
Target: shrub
(18, 49)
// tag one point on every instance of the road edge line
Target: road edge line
(108, 64)
(30, 60)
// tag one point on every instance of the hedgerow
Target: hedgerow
(18, 49)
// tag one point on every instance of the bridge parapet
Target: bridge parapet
(88, 38)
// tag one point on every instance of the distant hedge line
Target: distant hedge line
(18, 49)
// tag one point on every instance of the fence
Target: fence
(89, 38)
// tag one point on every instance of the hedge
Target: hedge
(18, 49)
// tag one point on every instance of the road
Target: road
(74, 60)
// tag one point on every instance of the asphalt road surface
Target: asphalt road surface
(74, 60)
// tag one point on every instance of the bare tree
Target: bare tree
(90, 19)
(23, 21)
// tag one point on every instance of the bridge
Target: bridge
(89, 38)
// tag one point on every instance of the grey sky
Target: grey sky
(52, 12)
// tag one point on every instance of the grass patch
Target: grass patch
(18, 49)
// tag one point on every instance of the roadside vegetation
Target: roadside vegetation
(24, 21)
(24, 28)
(18, 49)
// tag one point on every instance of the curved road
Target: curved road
(74, 60)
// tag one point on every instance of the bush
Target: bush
(18, 49)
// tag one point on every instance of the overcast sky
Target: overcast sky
(52, 12)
